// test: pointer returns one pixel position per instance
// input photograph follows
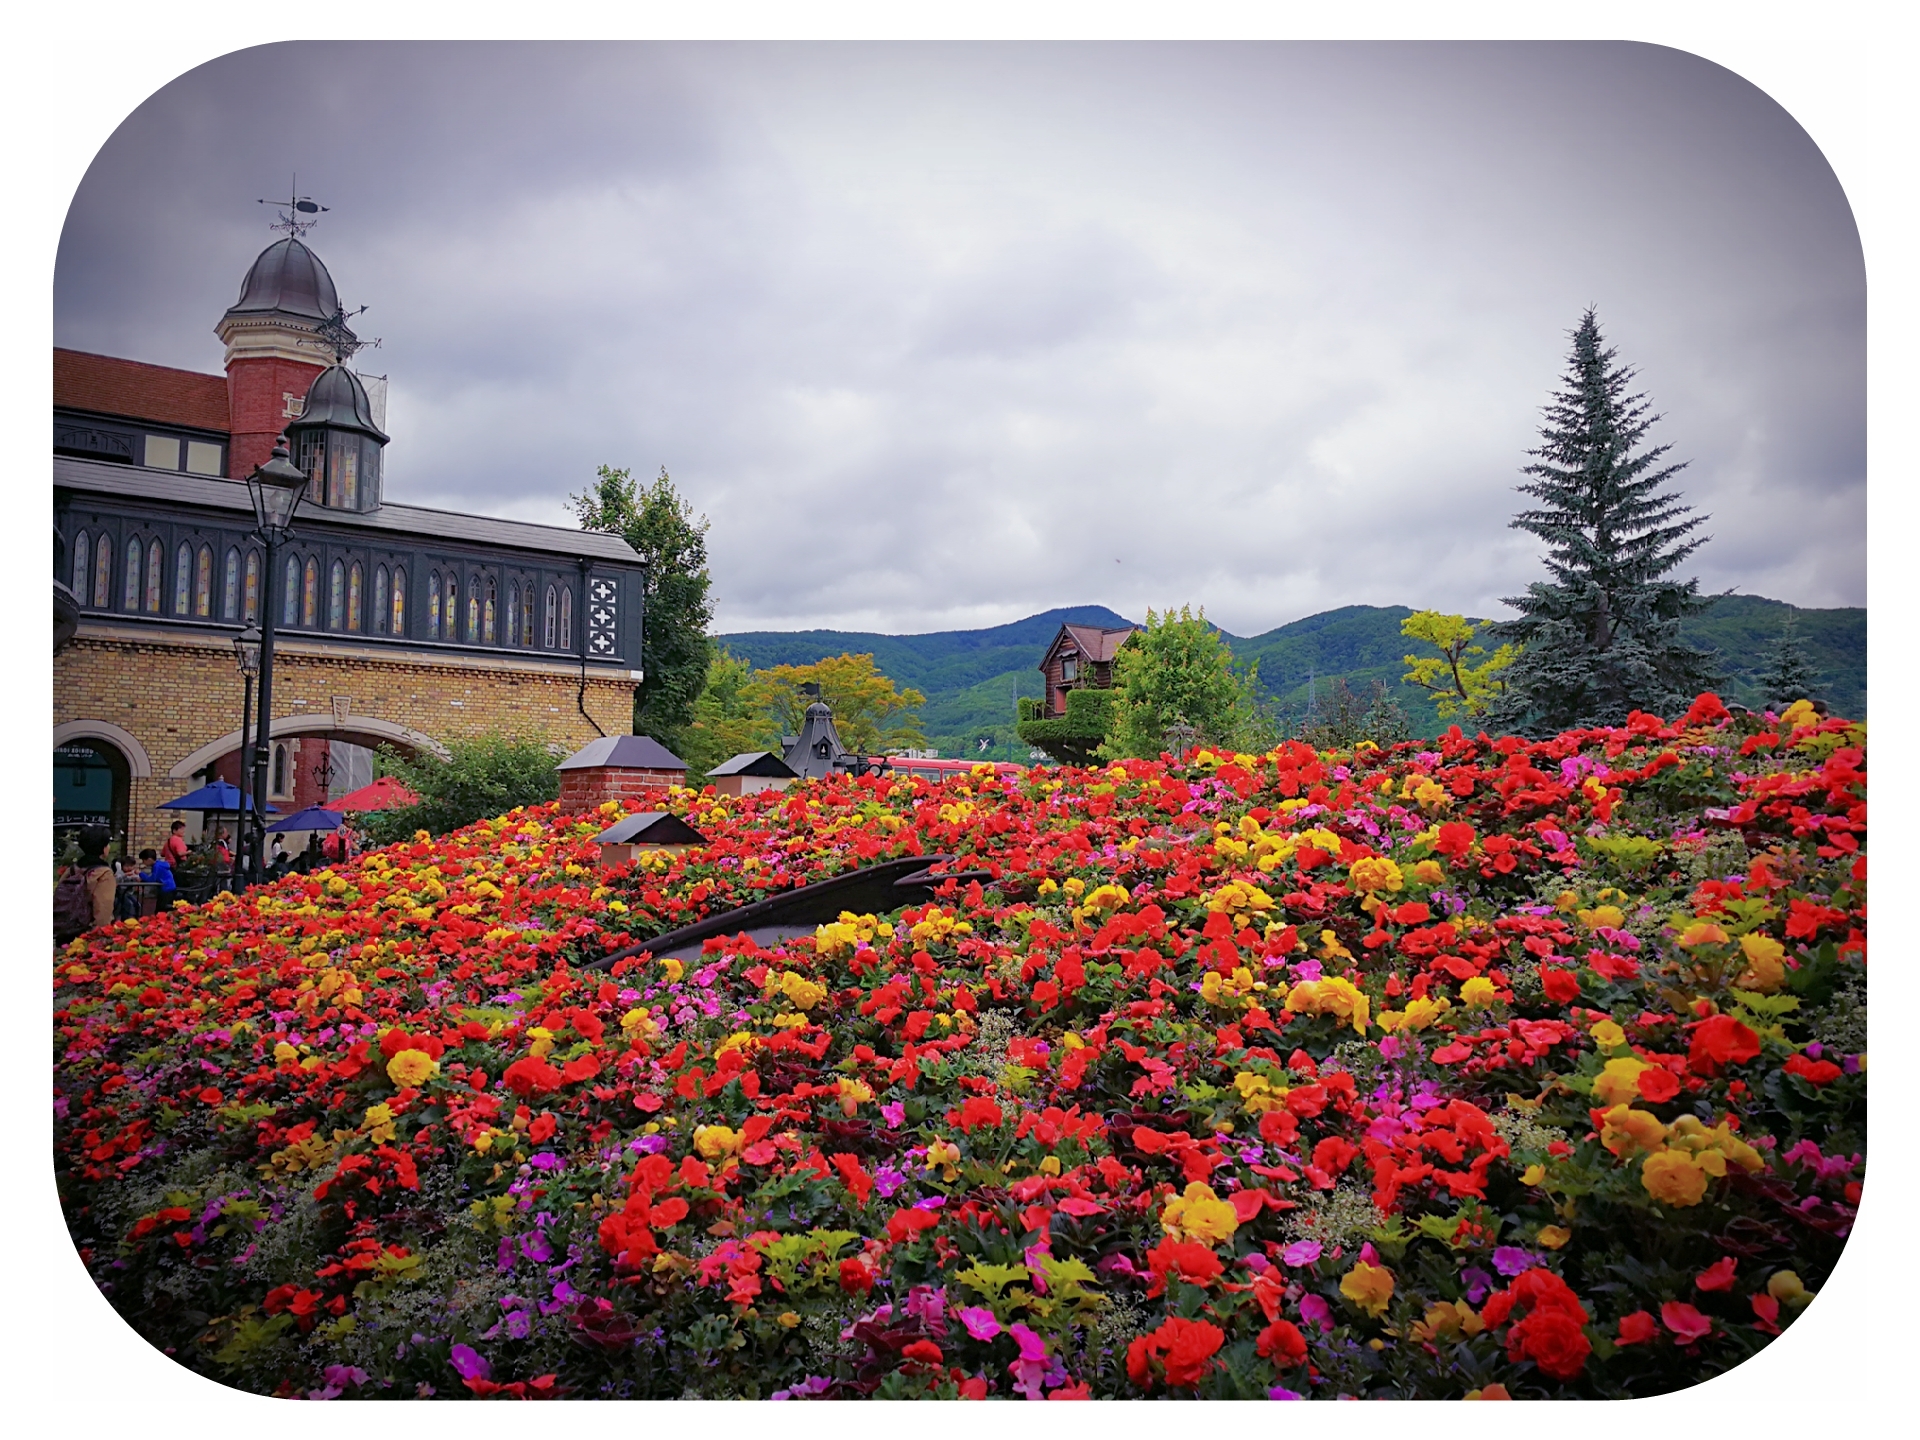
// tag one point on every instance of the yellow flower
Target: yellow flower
(1430, 872)
(1624, 1130)
(1785, 1286)
(1619, 1082)
(1047, 887)
(1554, 1236)
(1801, 712)
(853, 1093)
(788, 1319)
(1478, 993)
(1673, 1179)
(1368, 1286)
(1611, 916)
(1448, 1320)
(1200, 1215)
(715, 1141)
(412, 1067)
(283, 1052)
(1702, 932)
(1765, 972)
(1607, 1035)
(379, 1123)
(639, 1024)
(673, 968)
(1256, 1094)
(1107, 897)
(802, 992)
(1375, 872)
(1333, 996)
(1218, 989)
(1239, 900)
(1533, 1174)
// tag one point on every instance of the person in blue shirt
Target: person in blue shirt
(159, 872)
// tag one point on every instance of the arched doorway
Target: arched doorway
(92, 785)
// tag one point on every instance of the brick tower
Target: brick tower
(273, 347)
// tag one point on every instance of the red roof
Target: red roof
(108, 385)
(1092, 641)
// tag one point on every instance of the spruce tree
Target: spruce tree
(1602, 636)
(1786, 674)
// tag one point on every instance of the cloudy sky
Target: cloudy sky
(943, 335)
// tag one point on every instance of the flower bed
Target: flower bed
(1470, 1068)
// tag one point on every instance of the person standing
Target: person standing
(83, 894)
(175, 850)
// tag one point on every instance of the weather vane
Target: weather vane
(333, 334)
(295, 205)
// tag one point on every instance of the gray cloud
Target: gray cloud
(942, 335)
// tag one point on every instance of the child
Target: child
(159, 872)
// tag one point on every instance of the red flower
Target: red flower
(1685, 1321)
(1636, 1329)
(1717, 1276)
(1814, 1072)
(1454, 840)
(1552, 1338)
(1282, 1343)
(1562, 986)
(978, 1111)
(855, 1277)
(1183, 1348)
(1718, 1041)
(1705, 710)
(531, 1076)
(1657, 1086)
(1194, 1263)
(924, 1351)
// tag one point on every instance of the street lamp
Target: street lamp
(275, 489)
(246, 649)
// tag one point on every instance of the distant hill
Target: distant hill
(971, 677)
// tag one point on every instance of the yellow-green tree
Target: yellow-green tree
(1457, 684)
(728, 718)
(869, 712)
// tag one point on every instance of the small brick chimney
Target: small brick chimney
(617, 767)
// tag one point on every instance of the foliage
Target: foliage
(1348, 717)
(1459, 687)
(1465, 1067)
(1603, 636)
(1075, 737)
(480, 778)
(870, 713)
(674, 648)
(729, 718)
(1177, 686)
(1787, 673)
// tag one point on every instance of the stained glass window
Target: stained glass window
(182, 578)
(553, 618)
(399, 601)
(230, 586)
(566, 617)
(252, 610)
(433, 606)
(290, 601)
(82, 567)
(486, 620)
(353, 597)
(379, 598)
(336, 595)
(131, 586)
(153, 576)
(310, 595)
(203, 583)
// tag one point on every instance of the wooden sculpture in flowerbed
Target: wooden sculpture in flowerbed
(1473, 1067)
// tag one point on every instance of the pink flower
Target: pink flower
(980, 1322)
(1685, 1321)
(1301, 1253)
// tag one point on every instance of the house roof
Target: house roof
(754, 762)
(656, 827)
(1091, 641)
(624, 752)
(109, 385)
(133, 482)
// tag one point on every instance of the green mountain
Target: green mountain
(972, 678)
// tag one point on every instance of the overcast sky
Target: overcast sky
(942, 335)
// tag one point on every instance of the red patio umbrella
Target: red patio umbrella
(383, 794)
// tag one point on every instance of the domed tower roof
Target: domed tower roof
(286, 279)
(337, 398)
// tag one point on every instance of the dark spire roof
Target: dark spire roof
(337, 397)
(817, 746)
(287, 279)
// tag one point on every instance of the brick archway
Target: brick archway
(364, 730)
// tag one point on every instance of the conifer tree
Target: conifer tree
(1602, 636)
(1786, 674)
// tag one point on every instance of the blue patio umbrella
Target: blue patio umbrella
(219, 797)
(311, 818)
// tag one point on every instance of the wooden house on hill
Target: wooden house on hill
(1080, 658)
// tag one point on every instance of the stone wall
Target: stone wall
(178, 694)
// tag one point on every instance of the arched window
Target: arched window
(513, 613)
(82, 567)
(566, 617)
(433, 606)
(549, 633)
(379, 598)
(277, 783)
(453, 607)
(526, 621)
(130, 588)
(251, 610)
(182, 578)
(473, 613)
(487, 631)
(203, 583)
(290, 593)
(399, 626)
(230, 586)
(153, 576)
(310, 595)
(353, 596)
(336, 595)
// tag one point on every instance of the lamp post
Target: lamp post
(246, 649)
(275, 488)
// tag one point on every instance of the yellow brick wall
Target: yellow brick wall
(176, 695)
